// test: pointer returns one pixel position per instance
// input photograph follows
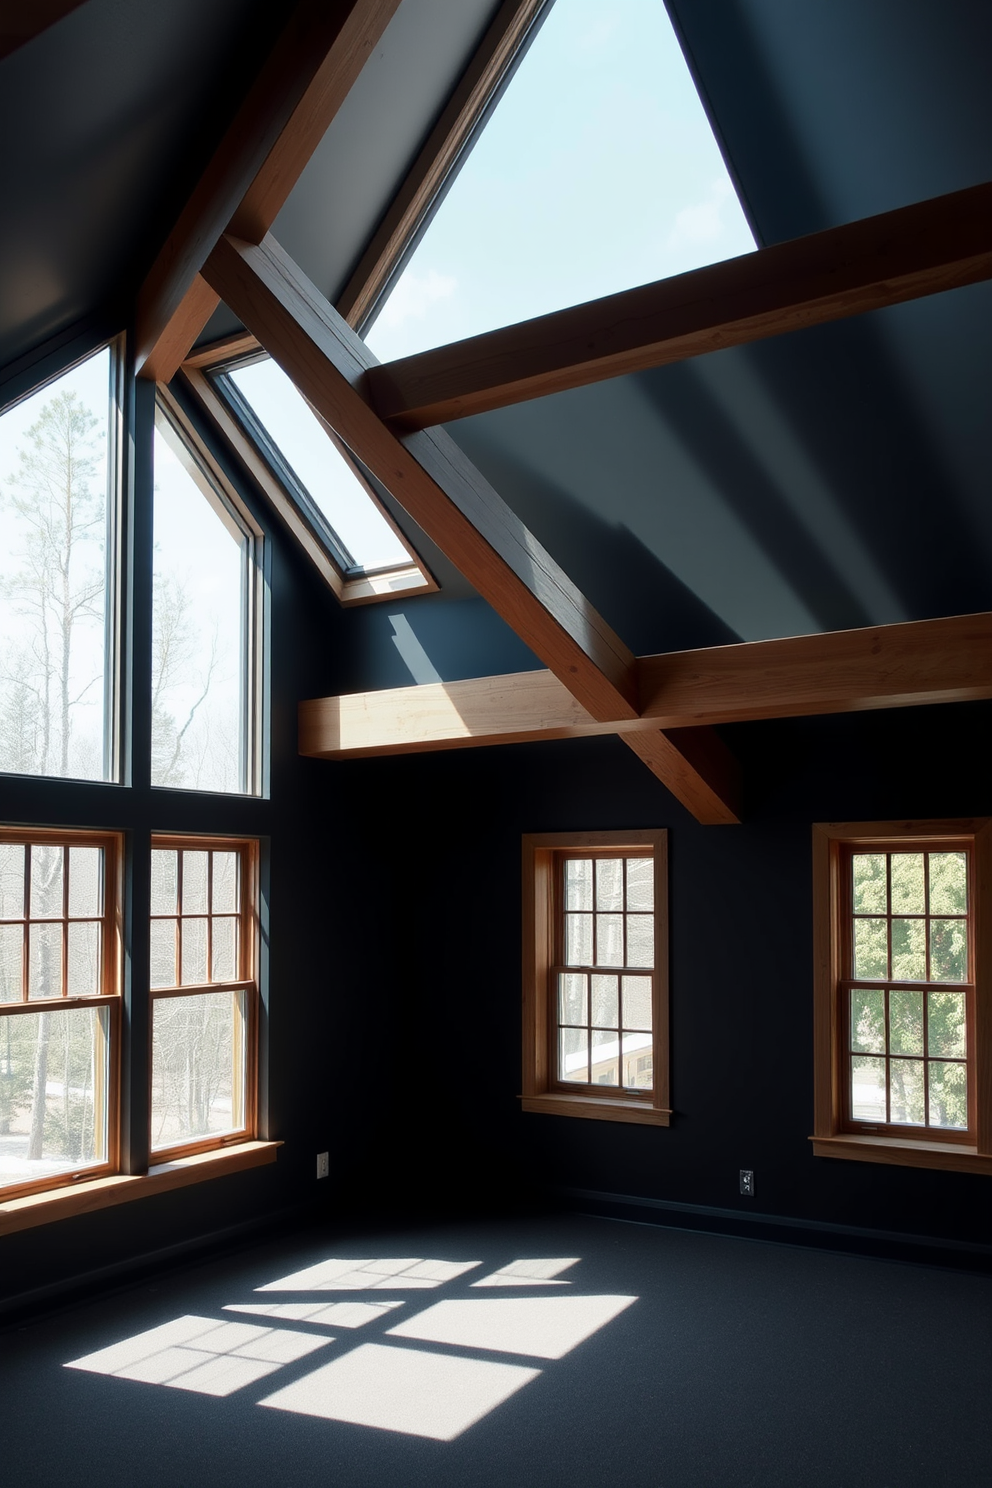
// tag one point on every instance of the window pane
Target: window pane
(640, 883)
(609, 883)
(225, 882)
(609, 940)
(46, 881)
(871, 948)
(53, 1093)
(578, 883)
(578, 940)
(573, 1055)
(84, 959)
(867, 1021)
(86, 881)
(906, 1092)
(948, 883)
(638, 1062)
(909, 950)
(868, 1089)
(163, 953)
(571, 997)
(194, 952)
(11, 962)
(906, 1022)
(948, 950)
(868, 878)
(637, 1002)
(197, 1067)
(11, 881)
(45, 961)
(165, 881)
(605, 1002)
(199, 633)
(948, 1095)
(640, 940)
(908, 895)
(194, 883)
(605, 1058)
(54, 469)
(946, 1011)
(224, 950)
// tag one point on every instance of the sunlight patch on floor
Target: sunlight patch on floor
(538, 1271)
(333, 1314)
(361, 1276)
(546, 1327)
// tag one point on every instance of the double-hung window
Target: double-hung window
(595, 975)
(903, 1054)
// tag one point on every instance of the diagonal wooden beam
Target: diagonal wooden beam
(22, 20)
(901, 255)
(257, 163)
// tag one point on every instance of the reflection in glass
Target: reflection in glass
(909, 950)
(906, 1098)
(946, 1012)
(64, 1054)
(871, 949)
(605, 1002)
(948, 1095)
(948, 950)
(197, 1067)
(578, 940)
(867, 1021)
(868, 882)
(573, 1055)
(867, 1089)
(637, 1002)
(908, 892)
(949, 883)
(906, 1022)
(571, 997)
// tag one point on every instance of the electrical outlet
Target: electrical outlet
(747, 1182)
(323, 1164)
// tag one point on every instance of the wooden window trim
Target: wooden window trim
(971, 1152)
(541, 1093)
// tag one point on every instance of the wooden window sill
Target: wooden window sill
(103, 1193)
(593, 1108)
(905, 1153)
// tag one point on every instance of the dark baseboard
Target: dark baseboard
(933, 1250)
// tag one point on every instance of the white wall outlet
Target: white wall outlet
(323, 1164)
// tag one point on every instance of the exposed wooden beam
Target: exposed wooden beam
(698, 769)
(428, 475)
(450, 136)
(901, 255)
(886, 666)
(273, 135)
(22, 20)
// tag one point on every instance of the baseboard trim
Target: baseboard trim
(806, 1231)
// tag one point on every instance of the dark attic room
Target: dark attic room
(496, 743)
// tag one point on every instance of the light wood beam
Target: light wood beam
(450, 137)
(273, 135)
(22, 20)
(902, 255)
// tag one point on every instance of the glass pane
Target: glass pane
(640, 940)
(578, 883)
(609, 883)
(163, 953)
(198, 628)
(573, 1055)
(605, 1002)
(640, 884)
(224, 950)
(45, 961)
(867, 1089)
(609, 940)
(571, 997)
(948, 950)
(46, 881)
(225, 882)
(867, 1021)
(906, 1102)
(197, 1073)
(11, 962)
(53, 612)
(948, 1095)
(605, 1058)
(578, 940)
(947, 1031)
(909, 950)
(906, 1022)
(871, 948)
(908, 893)
(53, 1093)
(193, 967)
(868, 882)
(638, 1061)
(165, 881)
(948, 883)
(84, 959)
(86, 881)
(637, 1002)
(194, 883)
(318, 465)
(11, 881)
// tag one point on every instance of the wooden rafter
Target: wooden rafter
(447, 141)
(902, 255)
(22, 20)
(273, 135)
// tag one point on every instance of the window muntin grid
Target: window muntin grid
(909, 988)
(603, 978)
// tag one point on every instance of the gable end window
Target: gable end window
(595, 975)
(902, 1039)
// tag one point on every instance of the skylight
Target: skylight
(597, 171)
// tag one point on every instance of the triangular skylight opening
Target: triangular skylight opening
(597, 171)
